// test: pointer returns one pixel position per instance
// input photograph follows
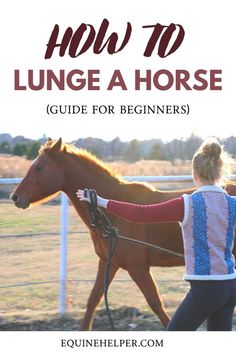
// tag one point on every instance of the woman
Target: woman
(207, 218)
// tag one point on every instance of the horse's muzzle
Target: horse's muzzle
(22, 203)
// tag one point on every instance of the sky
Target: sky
(208, 44)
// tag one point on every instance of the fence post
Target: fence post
(63, 253)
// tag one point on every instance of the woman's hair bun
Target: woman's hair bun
(212, 148)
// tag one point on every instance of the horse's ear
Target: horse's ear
(49, 140)
(57, 146)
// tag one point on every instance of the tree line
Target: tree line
(154, 149)
(29, 150)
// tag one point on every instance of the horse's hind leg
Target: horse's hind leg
(96, 294)
(143, 278)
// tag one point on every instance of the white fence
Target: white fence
(64, 223)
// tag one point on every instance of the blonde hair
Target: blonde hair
(210, 162)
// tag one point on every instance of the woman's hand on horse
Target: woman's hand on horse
(101, 201)
(81, 196)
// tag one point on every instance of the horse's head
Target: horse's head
(43, 179)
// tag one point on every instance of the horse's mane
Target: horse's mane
(83, 155)
(231, 182)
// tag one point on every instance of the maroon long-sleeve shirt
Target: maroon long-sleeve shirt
(169, 211)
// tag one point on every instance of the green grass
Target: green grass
(15, 220)
(35, 259)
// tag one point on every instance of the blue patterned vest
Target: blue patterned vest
(208, 233)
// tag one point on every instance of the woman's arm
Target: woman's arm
(169, 211)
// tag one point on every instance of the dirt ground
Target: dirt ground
(124, 318)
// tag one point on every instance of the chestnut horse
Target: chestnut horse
(61, 167)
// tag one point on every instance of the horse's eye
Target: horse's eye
(38, 168)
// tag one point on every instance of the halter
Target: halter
(99, 220)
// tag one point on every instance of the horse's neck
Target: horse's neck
(81, 177)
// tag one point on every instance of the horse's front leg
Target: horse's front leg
(96, 294)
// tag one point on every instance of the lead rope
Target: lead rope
(99, 220)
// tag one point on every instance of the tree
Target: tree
(32, 150)
(132, 153)
(191, 145)
(19, 149)
(96, 152)
(5, 147)
(116, 147)
(157, 153)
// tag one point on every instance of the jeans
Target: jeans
(212, 300)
